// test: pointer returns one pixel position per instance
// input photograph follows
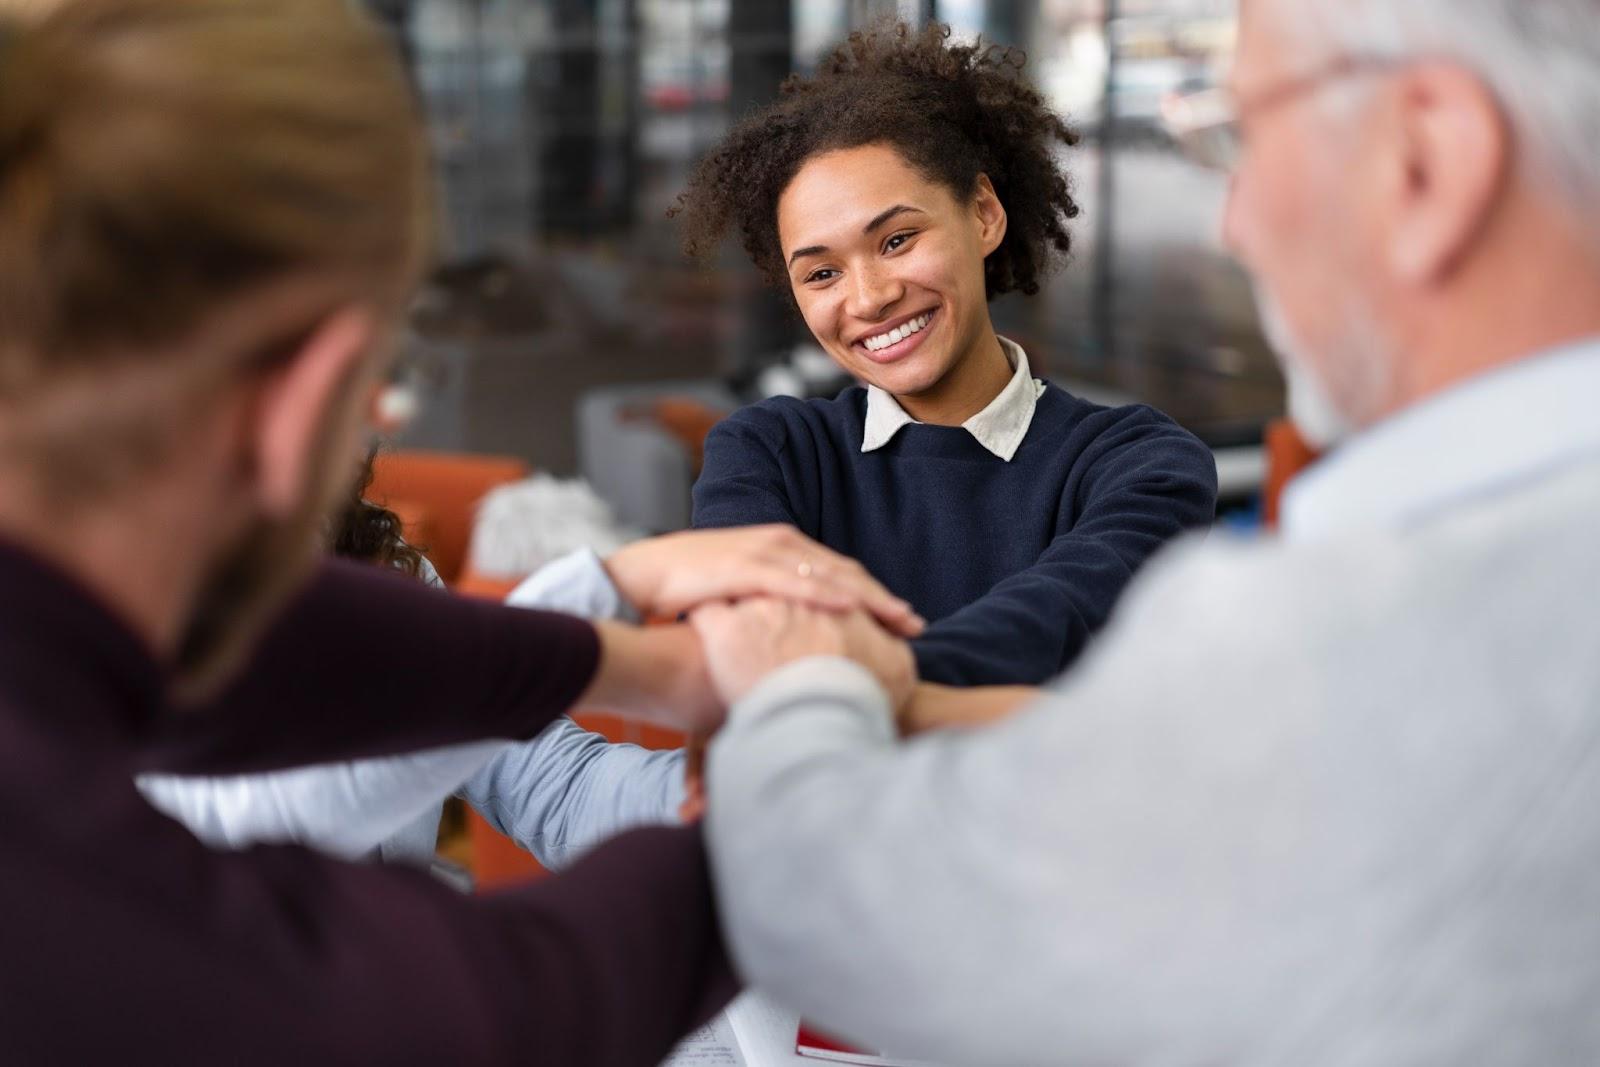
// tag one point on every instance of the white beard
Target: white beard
(1311, 406)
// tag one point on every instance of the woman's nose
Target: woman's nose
(874, 292)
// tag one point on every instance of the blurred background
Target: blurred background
(564, 327)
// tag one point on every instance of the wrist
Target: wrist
(629, 573)
(658, 674)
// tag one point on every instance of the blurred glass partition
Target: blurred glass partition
(686, 61)
(563, 130)
(1150, 306)
(819, 25)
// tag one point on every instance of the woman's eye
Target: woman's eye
(821, 275)
(897, 240)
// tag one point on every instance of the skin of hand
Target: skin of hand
(745, 642)
(667, 576)
(941, 707)
(656, 674)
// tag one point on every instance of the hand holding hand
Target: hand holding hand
(678, 572)
(745, 642)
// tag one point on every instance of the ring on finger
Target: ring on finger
(805, 569)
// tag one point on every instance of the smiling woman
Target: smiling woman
(895, 193)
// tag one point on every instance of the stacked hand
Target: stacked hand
(747, 641)
(667, 576)
(760, 597)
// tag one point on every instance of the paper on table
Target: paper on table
(766, 1031)
(712, 1045)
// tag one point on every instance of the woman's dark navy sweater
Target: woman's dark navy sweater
(1015, 564)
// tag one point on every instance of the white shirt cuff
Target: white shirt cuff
(578, 584)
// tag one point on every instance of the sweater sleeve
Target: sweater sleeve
(365, 663)
(279, 955)
(1125, 859)
(1147, 481)
(742, 481)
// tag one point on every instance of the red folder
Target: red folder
(808, 1042)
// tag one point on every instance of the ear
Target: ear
(296, 409)
(990, 214)
(1453, 164)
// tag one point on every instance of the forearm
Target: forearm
(884, 889)
(1145, 872)
(606, 965)
(654, 673)
(349, 808)
(629, 936)
(569, 789)
(364, 663)
(939, 707)
(780, 832)
(1022, 633)
(1149, 484)
(1033, 625)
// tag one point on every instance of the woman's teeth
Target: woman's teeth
(898, 334)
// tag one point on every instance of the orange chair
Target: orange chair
(436, 495)
(1287, 455)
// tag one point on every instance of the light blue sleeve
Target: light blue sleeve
(569, 789)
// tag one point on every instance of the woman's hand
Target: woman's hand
(669, 575)
(745, 642)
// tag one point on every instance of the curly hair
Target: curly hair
(953, 111)
(365, 532)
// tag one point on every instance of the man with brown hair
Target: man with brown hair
(210, 215)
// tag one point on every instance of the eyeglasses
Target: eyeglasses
(1207, 125)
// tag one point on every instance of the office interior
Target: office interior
(563, 317)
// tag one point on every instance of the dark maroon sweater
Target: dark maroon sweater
(123, 940)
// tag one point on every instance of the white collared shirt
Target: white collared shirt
(1495, 430)
(999, 427)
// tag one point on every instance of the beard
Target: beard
(1325, 415)
(245, 590)
(249, 583)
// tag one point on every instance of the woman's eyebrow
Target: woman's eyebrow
(877, 220)
(809, 250)
(884, 216)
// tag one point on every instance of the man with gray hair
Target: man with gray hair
(1330, 798)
